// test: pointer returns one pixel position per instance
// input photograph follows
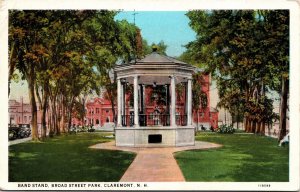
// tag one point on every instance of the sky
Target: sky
(170, 26)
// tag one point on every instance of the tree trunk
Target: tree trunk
(253, 126)
(83, 105)
(249, 125)
(31, 82)
(52, 128)
(113, 112)
(58, 116)
(283, 107)
(51, 121)
(53, 118)
(61, 113)
(70, 113)
(65, 109)
(257, 129)
(232, 119)
(37, 93)
(112, 101)
(11, 64)
(225, 117)
(198, 118)
(49, 118)
(44, 108)
(245, 124)
(263, 128)
(62, 119)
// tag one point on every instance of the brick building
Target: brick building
(99, 112)
(20, 112)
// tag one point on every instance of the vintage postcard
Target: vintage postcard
(152, 95)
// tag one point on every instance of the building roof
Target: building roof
(97, 100)
(155, 57)
(155, 67)
(212, 109)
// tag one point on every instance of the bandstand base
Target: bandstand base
(156, 136)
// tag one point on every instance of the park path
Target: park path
(154, 164)
(17, 141)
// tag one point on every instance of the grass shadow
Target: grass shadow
(67, 159)
(242, 158)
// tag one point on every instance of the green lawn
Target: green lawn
(67, 158)
(242, 158)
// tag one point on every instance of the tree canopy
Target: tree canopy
(64, 56)
(246, 51)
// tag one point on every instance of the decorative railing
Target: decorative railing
(153, 120)
(127, 120)
(181, 120)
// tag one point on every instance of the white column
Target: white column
(122, 95)
(173, 102)
(189, 102)
(136, 101)
(119, 95)
(143, 101)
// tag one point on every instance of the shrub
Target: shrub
(91, 130)
(226, 129)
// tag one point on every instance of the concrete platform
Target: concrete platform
(170, 136)
(154, 164)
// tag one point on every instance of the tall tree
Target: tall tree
(116, 42)
(277, 44)
(63, 74)
(27, 51)
(52, 50)
(161, 47)
(233, 46)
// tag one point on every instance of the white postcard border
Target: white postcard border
(155, 5)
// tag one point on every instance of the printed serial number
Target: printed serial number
(264, 185)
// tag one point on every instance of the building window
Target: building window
(97, 110)
(107, 111)
(107, 119)
(202, 115)
(25, 118)
(97, 121)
